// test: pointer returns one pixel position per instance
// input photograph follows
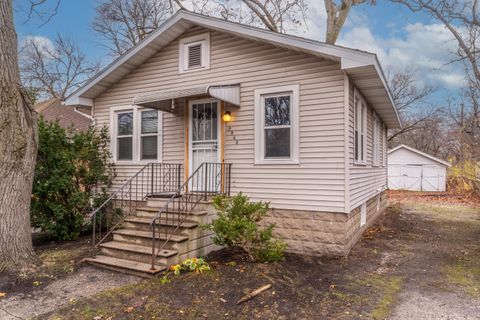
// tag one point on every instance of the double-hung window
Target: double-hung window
(124, 135)
(360, 123)
(149, 135)
(276, 125)
(377, 129)
(136, 134)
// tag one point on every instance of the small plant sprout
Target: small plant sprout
(197, 265)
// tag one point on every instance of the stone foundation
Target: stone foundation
(324, 233)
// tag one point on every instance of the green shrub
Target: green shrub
(72, 173)
(237, 225)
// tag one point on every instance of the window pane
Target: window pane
(362, 124)
(277, 111)
(356, 146)
(362, 148)
(277, 143)
(150, 121)
(124, 148)
(125, 123)
(358, 119)
(149, 147)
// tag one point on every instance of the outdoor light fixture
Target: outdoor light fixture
(227, 116)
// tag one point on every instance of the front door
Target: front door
(204, 140)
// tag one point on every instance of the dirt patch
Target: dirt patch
(58, 260)
(59, 280)
(420, 262)
(84, 282)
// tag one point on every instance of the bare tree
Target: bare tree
(429, 135)
(337, 13)
(124, 23)
(18, 148)
(411, 100)
(461, 19)
(54, 70)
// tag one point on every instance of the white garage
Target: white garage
(411, 169)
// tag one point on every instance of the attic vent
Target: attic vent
(194, 53)
(195, 56)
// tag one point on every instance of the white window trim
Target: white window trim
(294, 124)
(376, 140)
(358, 97)
(136, 135)
(204, 39)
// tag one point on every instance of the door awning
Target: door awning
(162, 100)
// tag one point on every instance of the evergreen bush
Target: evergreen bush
(72, 172)
(238, 225)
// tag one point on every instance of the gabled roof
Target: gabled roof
(402, 146)
(363, 68)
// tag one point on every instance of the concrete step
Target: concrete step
(149, 212)
(125, 266)
(160, 202)
(129, 251)
(169, 225)
(144, 238)
(148, 235)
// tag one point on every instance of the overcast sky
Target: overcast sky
(399, 38)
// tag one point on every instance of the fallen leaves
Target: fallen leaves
(129, 309)
(3, 294)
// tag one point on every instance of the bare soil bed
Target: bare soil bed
(421, 261)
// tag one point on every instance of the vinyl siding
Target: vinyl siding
(365, 180)
(318, 182)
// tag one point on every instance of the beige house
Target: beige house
(299, 123)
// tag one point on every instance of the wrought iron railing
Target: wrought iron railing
(207, 180)
(152, 179)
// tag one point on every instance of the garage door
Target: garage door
(412, 176)
(404, 177)
(416, 178)
(395, 178)
(433, 178)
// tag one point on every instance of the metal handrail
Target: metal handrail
(183, 197)
(149, 179)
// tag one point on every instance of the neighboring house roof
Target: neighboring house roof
(362, 67)
(67, 116)
(402, 146)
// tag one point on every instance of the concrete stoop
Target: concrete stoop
(130, 250)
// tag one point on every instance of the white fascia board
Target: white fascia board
(387, 88)
(75, 100)
(122, 59)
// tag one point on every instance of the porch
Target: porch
(152, 221)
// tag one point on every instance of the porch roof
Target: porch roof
(162, 100)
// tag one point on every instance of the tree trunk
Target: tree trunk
(18, 149)
(336, 17)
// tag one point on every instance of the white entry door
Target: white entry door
(204, 142)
